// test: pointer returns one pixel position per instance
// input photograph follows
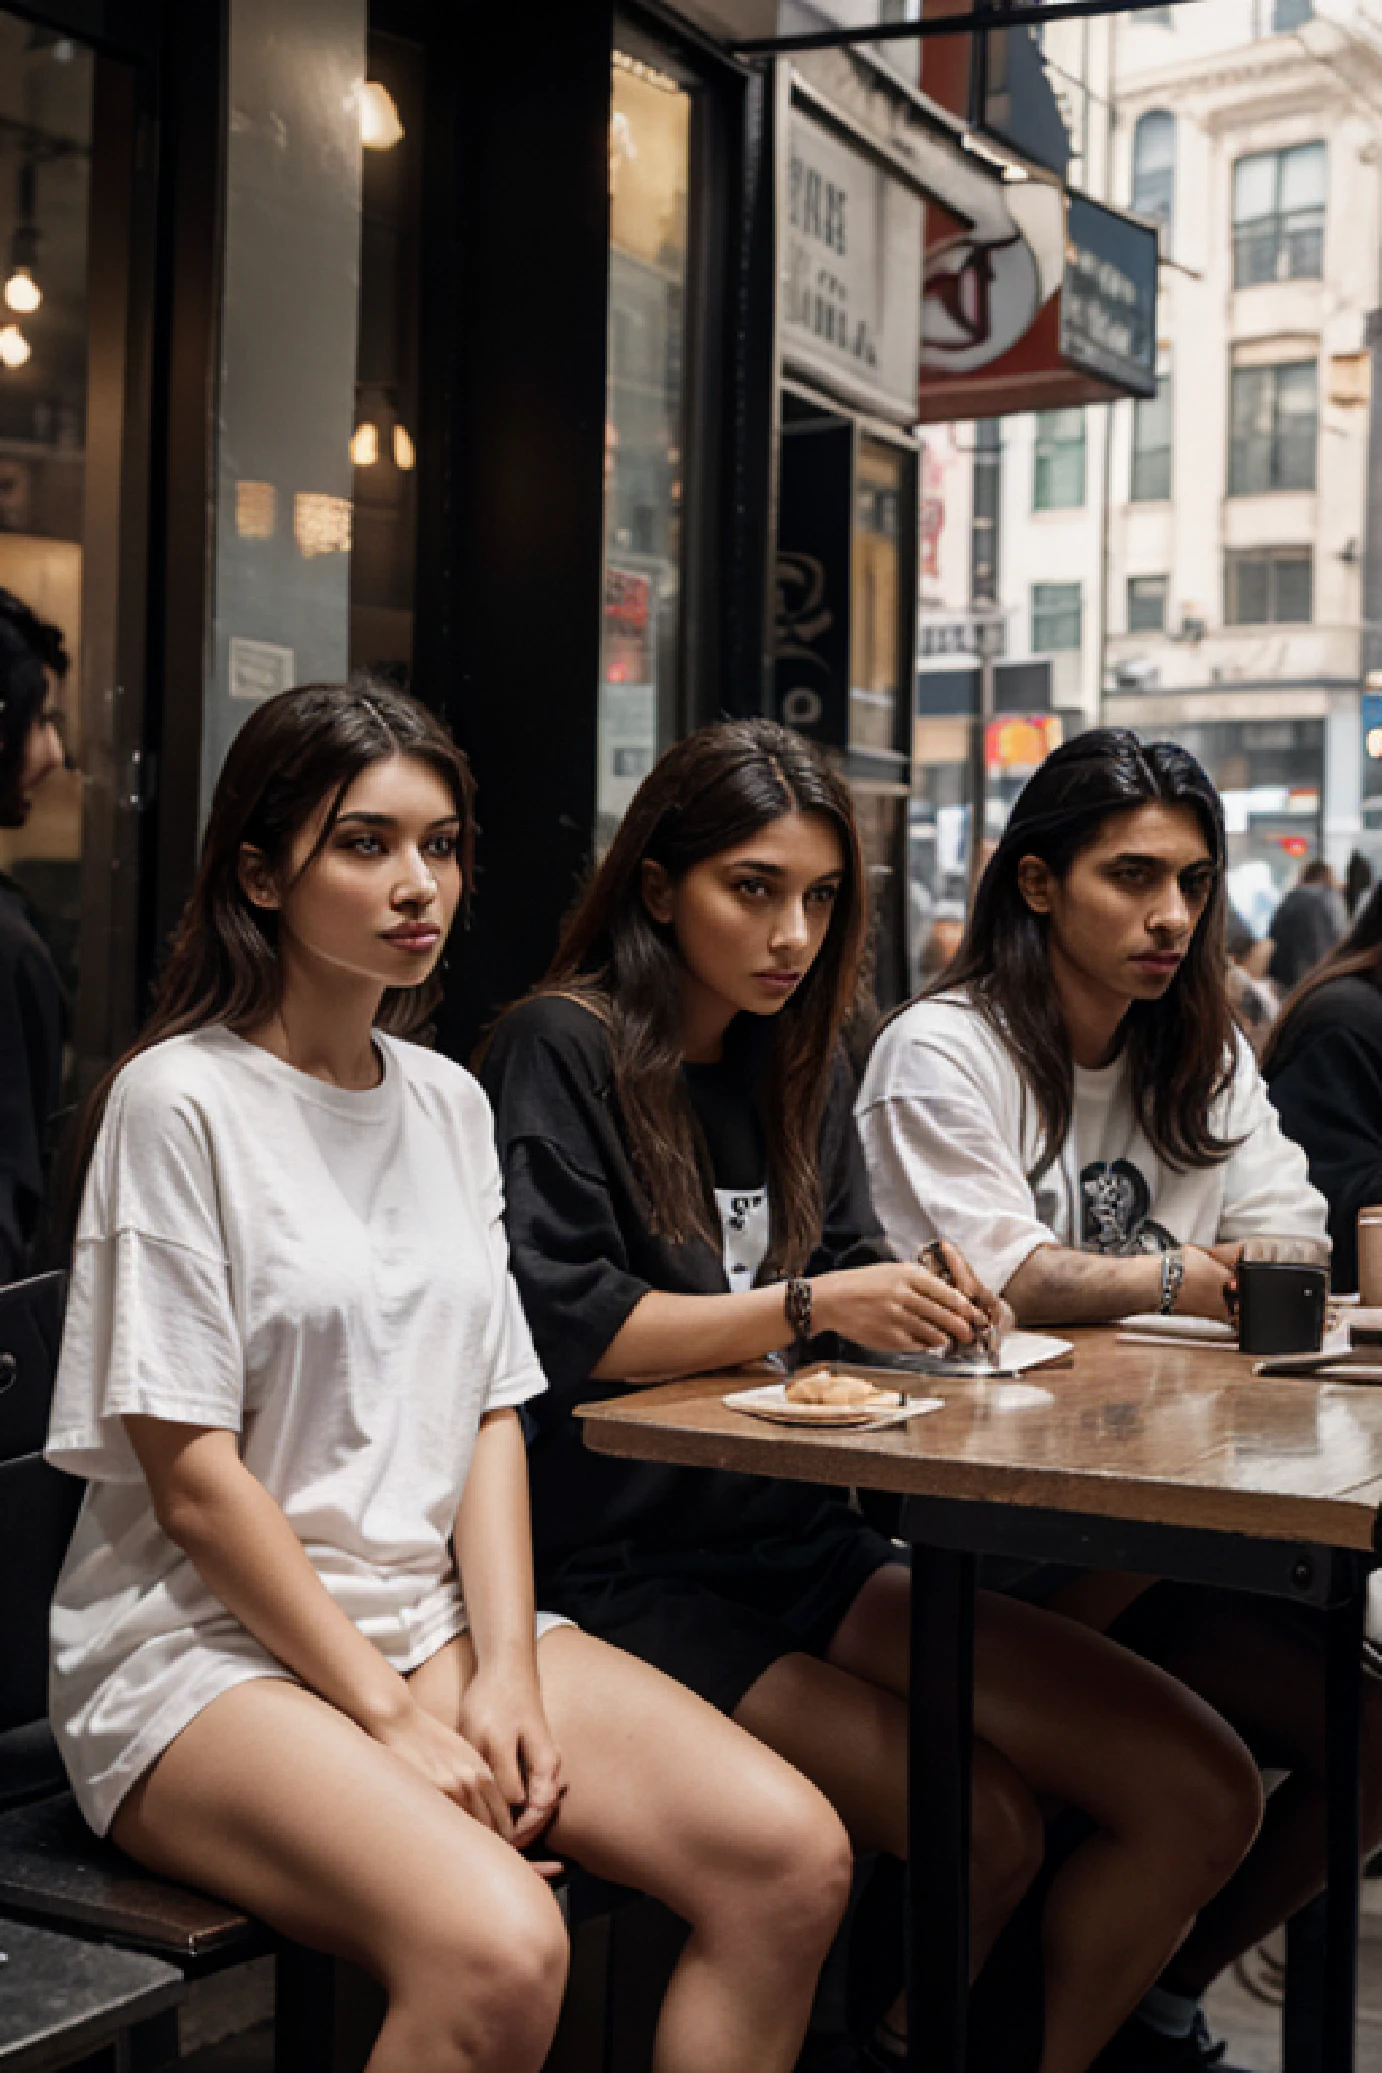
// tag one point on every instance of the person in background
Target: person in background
(1323, 1064)
(1306, 926)
(33, 1003)
(295, 1657)
(1357, 882)
(685, 1192)
(1250, 996)
(1073, 1109)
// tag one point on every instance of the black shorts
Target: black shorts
(715, 1618)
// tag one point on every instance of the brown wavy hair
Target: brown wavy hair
(705, 795)
(1180, 1048)
(1357, 956)
(296, 751)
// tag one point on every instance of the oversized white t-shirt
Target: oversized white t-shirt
(951, 1135)
(323, 1272)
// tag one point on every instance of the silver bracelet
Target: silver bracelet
(1172, 1275)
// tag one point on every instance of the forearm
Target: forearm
(244, 1549)
(494, 1545)
(677, 1335)
(1055, 1285)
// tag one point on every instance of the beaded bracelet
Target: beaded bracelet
(796, 1302)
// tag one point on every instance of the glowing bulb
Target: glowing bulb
(364, 445)
(403, 451)
(22, 291)
(380, 126)
(14, 346)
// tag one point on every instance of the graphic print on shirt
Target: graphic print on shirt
(1115, 1199)
(744, 1232)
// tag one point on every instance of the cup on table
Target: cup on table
(1283, 1288)
(1370, 1256)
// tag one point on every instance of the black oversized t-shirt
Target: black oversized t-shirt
(583, 1255)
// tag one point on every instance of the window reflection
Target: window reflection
(649, 154)
(45, 146)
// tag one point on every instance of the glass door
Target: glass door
(78, 216)
(46, 107)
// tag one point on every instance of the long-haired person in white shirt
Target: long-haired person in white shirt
(1072, 1106)
(296, 1659)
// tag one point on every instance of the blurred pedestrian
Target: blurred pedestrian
(1250, 996)
(1307, 925)
(33, 1003)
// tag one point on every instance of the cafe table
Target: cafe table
(1163, 1459)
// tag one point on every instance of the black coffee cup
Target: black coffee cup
(1281, 1306)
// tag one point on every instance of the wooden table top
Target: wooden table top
(1172, 1434)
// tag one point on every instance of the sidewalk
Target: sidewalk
(1244, 2009)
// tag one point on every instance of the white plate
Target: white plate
(771, 1401)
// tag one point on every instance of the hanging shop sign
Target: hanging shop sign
(1041, 300)
(851, 247)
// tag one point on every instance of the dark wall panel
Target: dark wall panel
(521, 642)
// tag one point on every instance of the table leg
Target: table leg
(1318, 2019)
(1343, 1701)
(938, 1808)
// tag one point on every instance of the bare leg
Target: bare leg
(849, 1735)
(1174, 1794)
(1266, 1676)
(277, 1802)
(666, 1795)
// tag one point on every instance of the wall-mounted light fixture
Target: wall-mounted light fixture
(381, 126)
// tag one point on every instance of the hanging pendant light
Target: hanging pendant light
(21, 291)
(14, 346)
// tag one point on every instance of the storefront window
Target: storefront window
(649, 165)
(45, 166)
(383, 447)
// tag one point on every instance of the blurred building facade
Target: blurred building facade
(1197, 565)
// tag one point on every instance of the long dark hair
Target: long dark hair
(295, 752)
(1180, 1048)
(706, 794)
(1357, 956)
(29, 649)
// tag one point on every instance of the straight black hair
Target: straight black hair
(1180, 1048)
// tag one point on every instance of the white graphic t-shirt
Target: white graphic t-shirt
(951, 1137)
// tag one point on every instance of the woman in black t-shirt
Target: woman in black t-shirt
(685, 1191)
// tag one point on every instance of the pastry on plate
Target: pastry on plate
(843, 1392)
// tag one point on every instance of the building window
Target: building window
(1269, 587)
(1146, 604)
(1289, 14)
(1154, 167)
(1278, 216)
(1058, 470)
(1057, 618)
(1151, 445)
(1272, 443)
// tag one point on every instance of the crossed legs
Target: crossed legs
(278, 1802)
(1173, 1795)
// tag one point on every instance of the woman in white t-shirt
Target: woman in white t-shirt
(1072, 1105)
(294, 1655)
